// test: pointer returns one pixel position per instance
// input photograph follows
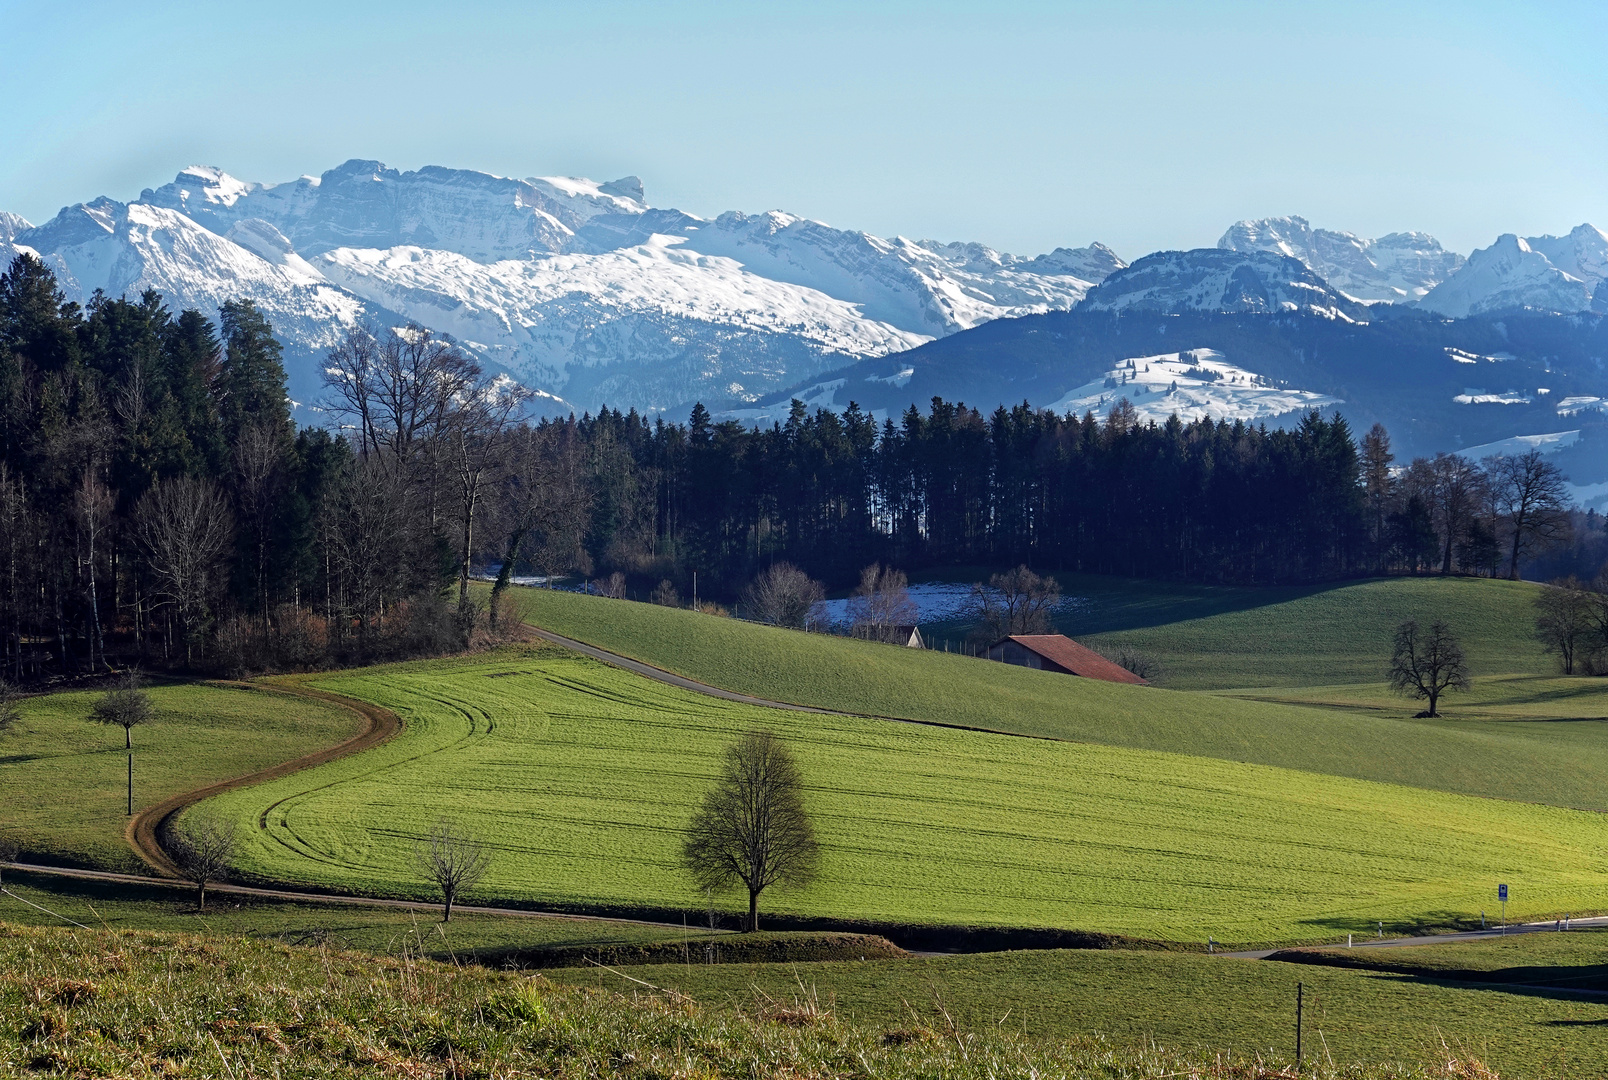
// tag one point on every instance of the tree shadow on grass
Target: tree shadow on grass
(1429, 922)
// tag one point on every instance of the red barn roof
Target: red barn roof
(1074, 659)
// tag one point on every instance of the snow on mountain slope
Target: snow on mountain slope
(11, 224)
(125, 249)
(924, 287)
(1194, 384)
(1397, 267)
(1523, 444)
(1513, 273)
(622, 326)
(569, 284)
(1217, 279)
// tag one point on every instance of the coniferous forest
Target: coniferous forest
(159, 503)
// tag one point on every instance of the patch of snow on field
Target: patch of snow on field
(1194, 384)
(1523, 444)
(1475, 395)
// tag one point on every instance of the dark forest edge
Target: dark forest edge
(159, 505)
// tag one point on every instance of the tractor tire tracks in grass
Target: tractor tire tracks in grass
(145, 828)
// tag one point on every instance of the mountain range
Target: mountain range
(590, 295)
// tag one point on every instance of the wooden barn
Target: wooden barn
(1056, 652)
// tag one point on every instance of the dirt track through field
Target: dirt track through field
(144, 829)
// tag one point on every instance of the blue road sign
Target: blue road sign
(1501, 892)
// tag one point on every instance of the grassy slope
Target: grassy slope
(1187, 1001)
(582, 775)
(1575, 960)
(1209, 638)
(63, 779)
(385, 931)
(1536, 760)
(102, 1004)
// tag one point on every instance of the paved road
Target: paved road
(1439, 939)
(330, 898)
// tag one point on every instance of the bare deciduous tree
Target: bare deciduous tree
(10, 707)
(784, 595)
(258, 454)
(203, 846)
(1015, 602)
(1565, 620)
(478, 417)
(1133, 659)
(752, 827)
(92, 511)
(1426, 665)
(881, 603)
(125, 705)
(1533, 497)
(452, 858)
(184, 527)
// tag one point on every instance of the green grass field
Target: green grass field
(1186, 1002)
(384, 931)
(1214, 638)
(78, 1003)
(1522, 753)
(1576, 960)
(63, 779)
(582, 776)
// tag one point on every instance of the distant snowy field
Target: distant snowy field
(1194, 384)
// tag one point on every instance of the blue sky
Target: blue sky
(1022, 125)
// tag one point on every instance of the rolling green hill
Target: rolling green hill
(63, 779)
(1518, 752)
(582, 777)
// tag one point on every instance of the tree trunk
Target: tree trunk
(505, 573)
(1434, 696)
(128, 738)
(753, 911)
(201, 892)
(446, 910)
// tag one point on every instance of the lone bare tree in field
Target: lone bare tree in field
(1566, 621)
(1426, 665)
(125, 705)
(784, 595)
(1016, 602)
(203, 848)
(752, 826)
(454, 860)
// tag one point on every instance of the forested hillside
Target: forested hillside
(158, 502)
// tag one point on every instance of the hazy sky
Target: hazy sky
(1021, 125)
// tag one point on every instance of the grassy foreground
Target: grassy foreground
(1190, 1002)
(1511, 755)
(147, 1005)
(63, 779)
(582, 776)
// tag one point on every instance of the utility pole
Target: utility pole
(695, 590)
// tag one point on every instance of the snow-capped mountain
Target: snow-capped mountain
(124, 249)
(1399, 267)
(1218, 279)
(11, 224)
(579, 289)
(1545, 273)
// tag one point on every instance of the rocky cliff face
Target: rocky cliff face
(1398, 268)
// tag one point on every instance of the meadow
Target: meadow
(64, 779)
(1185, 1002)
(46, 900)
(1519, 752)
(1576, 960)
(96, 1003)
(581, 777)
